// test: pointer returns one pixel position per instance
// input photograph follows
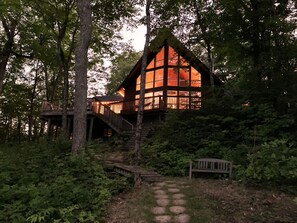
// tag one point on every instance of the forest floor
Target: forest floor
(202, 200)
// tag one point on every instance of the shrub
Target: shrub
(274, 162)
(166, 159)
(42, 183)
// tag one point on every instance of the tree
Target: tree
(120, 68)
(81, 70)
(193, 21)
(142, 82)
(10, 39)
(260, 48)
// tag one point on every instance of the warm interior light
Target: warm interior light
(122, 92)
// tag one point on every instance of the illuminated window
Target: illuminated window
(172, 57)
(172, 77)
(184, 93)
(196, 94)
(151, 65)
(149, 80)
(179, 74)
(195, 100)
(159, 75)
(184, 77)
(172, 102)
(138, 83)
(195, 78)
(184, 103)
(195, 103)
(160, 58)
(183, 62)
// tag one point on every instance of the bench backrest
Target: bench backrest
(212, 164)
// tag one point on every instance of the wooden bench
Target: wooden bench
(209, 165)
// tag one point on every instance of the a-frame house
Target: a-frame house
(175, 79)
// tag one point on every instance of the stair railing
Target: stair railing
(117, 121)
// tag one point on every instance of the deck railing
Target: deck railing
(57, 105)
(150, 103)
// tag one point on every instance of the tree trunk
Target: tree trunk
(81, 69)
(142, 85)
(7, 48)
(211, 68)
(31, 115)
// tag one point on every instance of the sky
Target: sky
(137, 37)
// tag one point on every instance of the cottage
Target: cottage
(175, 79)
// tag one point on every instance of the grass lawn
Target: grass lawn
(208, 200)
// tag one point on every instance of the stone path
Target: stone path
(171, 203)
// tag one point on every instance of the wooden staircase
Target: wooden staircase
(121, 125)
(114, 120)
(130, 136)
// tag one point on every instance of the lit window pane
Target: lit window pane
(183, 103)
(172, 102)
(195, 78)
(183, 62)
(159, 74)
(172, 57)
(172, 77)
(172, 93)
(184, 93)
(160, 58)
(149, 80)
(151, 64)
(138, 84)
(195, 103)
(158, 93)
(184, 77)
(196, 94)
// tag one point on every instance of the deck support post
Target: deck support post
(91, 129)
(49, 127)
(68, 127)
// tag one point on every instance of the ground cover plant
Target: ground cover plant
(260, 141)
(41, 182)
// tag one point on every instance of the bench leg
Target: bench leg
(190, 170)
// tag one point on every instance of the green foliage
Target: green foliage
(260, 142)
(120, 68)
(166, 158)
(42, 183)
(274, 161)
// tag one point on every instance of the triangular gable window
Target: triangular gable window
(183, 82)
(155, 72)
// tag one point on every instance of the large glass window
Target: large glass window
(183, 62)
(195, 78)
(159, 75)
(184, 103)
(184, 77)
(160, 58)
(172, 57)
(151, 64)
(172, 77)
(149, 80)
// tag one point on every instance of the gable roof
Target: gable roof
(155, 46)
